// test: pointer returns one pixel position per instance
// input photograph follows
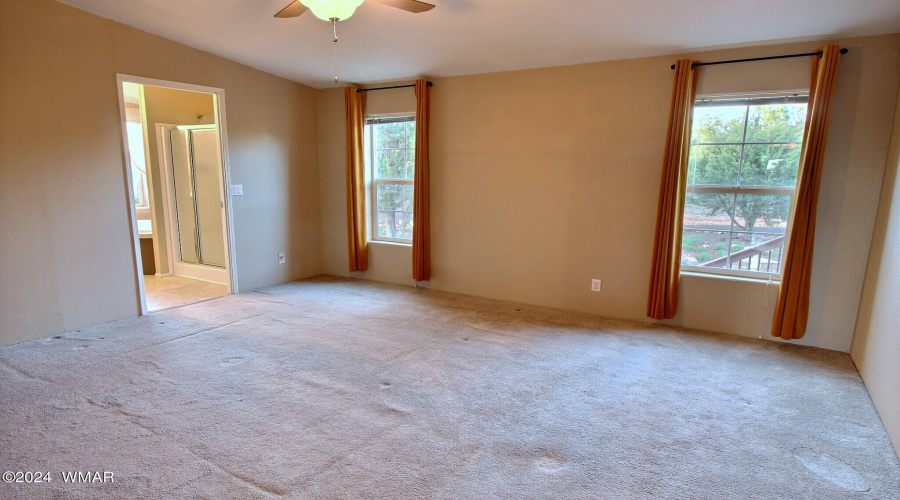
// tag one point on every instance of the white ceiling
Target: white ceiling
(460, 37)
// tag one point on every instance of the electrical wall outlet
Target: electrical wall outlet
(281, 256)
(595, 285)
(237, 190)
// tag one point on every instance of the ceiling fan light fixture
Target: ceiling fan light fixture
(327, 10)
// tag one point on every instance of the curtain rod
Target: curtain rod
(389, 88)
(819, 53)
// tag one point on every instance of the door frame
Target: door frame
(228, 215)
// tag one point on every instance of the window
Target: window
(391, 157)
(138, 168)
(742, 174)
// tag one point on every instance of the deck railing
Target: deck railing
(766, 257)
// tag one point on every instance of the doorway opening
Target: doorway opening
(176, 166)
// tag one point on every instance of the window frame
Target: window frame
(135, 134)
(747, 99)
(374, 181)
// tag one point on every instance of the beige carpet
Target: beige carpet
(337, 389)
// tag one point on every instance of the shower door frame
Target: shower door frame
(227, 215)
(176, 266)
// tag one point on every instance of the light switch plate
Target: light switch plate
(237, 190)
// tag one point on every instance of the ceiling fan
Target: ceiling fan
(339, 10)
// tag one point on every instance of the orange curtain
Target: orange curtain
(662, 301)
(792, 308)
(421, 239)
(356, 180)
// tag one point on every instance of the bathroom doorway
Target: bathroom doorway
(177, 170)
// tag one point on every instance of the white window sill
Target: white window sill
(390, 243)
(731, 277)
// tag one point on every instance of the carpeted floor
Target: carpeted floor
(330, 388)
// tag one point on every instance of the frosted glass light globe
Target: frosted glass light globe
(327, 10)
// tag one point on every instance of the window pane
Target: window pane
(770, 165)
(704, 248)
(776, 123)
(410, 164)
(761, 212)
(411, 135)
(718, 124)
(756, 252)
(717, 165)
(397, 225)
(708, 211)
(390, 135)
(135, 134)
(394, 207)
(390, 164)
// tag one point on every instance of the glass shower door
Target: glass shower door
(185, 212)
(198, 196)
(208, 196)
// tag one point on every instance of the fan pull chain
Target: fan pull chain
(334, 25)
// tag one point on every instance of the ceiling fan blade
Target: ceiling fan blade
(293, 10)
(414, 6)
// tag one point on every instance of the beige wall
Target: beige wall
(876, 345)
(544, 179)
(176, 107)
(66, 258)
(541, 179)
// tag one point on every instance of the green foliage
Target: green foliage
(703, 257)
(395, 150)
(692, 239)
(692, 242)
